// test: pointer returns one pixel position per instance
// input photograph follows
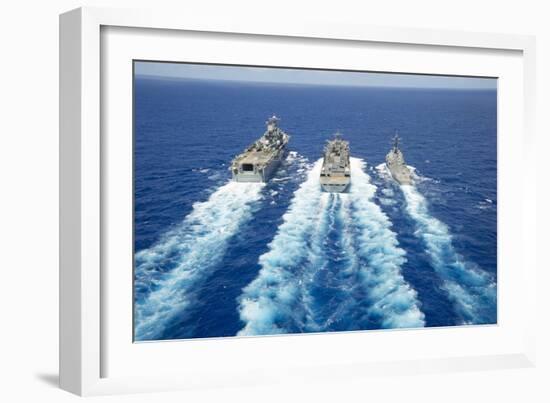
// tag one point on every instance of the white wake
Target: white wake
(271, 298)
(391, 297)
(472, 290)
(190, 251)
(278, 300)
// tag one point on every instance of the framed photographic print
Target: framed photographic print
(300, 232)
(239, 201)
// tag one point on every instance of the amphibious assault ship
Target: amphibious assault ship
(335, 172)
(396, 164)
(260, 160)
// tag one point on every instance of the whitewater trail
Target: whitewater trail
(316, 260)
(280, 300)
(269, 303)
(332, 288)
(170, 271)
(472, 290)
(392, 302)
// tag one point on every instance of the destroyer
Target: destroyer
(396, 164)
(259, 161)
(335, 172)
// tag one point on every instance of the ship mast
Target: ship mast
(272, 123)
(395, 142)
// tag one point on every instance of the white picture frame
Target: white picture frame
(88, 332)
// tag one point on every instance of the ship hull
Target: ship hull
(335, 175)
(256, 175)
(400, 173)
(333, 187)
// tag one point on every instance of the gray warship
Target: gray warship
(396, 164)
(335, 172)
(260, 160)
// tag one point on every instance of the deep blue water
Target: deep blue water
(211, 269)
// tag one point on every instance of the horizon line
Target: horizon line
(254, 82)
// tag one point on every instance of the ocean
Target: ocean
(215, 258)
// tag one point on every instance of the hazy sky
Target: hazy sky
(316, 77)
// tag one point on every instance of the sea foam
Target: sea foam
(280, 300)
(268, 304)
(391, 298)
(472, 290)
(171, 270)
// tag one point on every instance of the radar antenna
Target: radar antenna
(272, 123)
(273, 120)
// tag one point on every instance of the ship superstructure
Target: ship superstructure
(396, 164)
(335, 172)
(258, 162)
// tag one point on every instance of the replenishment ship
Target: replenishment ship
(260, 160)
(335, 172)
(396, 164)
